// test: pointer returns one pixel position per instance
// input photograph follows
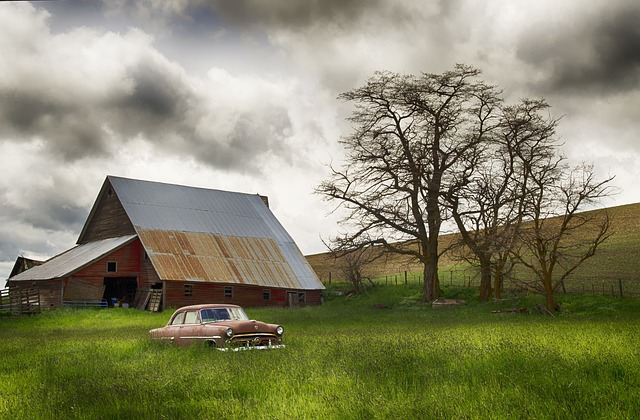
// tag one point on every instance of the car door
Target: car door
(189, 331)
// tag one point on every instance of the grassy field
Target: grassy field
(380, 355)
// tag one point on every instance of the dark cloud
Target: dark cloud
(69, 130)
(295, 13)
(597, 52)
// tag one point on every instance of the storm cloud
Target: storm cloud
(594, 52)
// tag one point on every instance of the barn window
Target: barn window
(302, 297)
(112, 267)
(188, 289)
(228, 291)
(266, 295)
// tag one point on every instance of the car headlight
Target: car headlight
(279, 330)
(229, 332)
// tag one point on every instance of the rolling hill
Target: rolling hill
(616, 261)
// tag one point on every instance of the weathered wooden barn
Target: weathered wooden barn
(185, 245)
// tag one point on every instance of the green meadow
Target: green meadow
(379, 355)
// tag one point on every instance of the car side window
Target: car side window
(179, 319)
(191, 317)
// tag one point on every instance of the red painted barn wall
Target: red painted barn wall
(243, 295)
(127, 261)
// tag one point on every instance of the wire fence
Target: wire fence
(470, 278)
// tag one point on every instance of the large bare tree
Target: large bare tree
(412, 136)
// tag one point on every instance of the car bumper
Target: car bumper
(242, 348)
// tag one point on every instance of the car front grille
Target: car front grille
(255, 339)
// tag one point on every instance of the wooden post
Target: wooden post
(620, 286)
(329, 277)
(405, 277)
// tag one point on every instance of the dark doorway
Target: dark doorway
(120, 290)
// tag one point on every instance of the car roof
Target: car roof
(206, 306)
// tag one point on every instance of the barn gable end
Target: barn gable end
(107, 219)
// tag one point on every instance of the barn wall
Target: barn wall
(148, 275)
(243, 295)
(127, 259)
(109, 220)
(50, 291)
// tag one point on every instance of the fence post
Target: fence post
(329, 277)
(405, 277)
(620, 286)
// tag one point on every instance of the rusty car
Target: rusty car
(223, 326)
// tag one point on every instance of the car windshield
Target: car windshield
(222, 314)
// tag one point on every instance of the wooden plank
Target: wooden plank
(78, 289)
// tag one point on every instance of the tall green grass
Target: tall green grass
(345, 359)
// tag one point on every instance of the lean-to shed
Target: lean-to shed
(191, 245)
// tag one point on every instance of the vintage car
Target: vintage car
(225, 327)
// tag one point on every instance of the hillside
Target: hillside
(616, 260)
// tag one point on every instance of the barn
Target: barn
(157, 245)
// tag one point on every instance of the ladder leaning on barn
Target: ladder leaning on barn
(149, 299)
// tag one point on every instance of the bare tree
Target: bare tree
(412, 136)
(560, 234)
(487, 204)
(353, 264)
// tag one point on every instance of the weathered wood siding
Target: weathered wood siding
(50, 291)
(148, 275)
(109, 220)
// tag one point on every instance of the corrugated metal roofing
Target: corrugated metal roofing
(74, 259)
(205, 257)
(212, 235)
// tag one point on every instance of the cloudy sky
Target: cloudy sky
(241, 95)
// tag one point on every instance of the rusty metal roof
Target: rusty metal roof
(209, 235)
(206, 257)
(72, 260)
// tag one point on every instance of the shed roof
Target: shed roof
(73, 260)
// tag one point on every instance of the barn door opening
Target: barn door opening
(292, 299)
(120, 290)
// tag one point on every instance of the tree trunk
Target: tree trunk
(549, 293)
(497, 283)
(485, 278)
(427, 292)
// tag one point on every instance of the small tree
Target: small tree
(559, 235)
(353, 264)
